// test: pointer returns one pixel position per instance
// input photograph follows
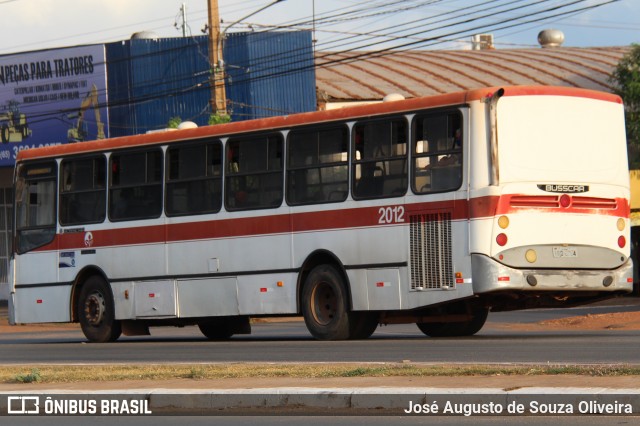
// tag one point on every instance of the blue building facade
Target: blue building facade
(145, 84)
(152, 80)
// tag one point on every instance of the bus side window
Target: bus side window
(83, 192)
(317, 166)
(194, 179)
(135, 185)
(437, 152)
(380, 158)
(254, 172)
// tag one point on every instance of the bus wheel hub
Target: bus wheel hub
(94, 308)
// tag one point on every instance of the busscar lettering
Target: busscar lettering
(564, 189)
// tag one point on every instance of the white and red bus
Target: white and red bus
(430, 211)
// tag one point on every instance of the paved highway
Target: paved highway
(290, 342)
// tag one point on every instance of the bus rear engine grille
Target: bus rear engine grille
(430, 245)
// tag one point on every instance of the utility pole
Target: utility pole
(184, 19)
(218, 93)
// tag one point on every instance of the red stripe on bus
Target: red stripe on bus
(476, 208)
(261, 225)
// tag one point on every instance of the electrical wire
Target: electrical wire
(270, 70)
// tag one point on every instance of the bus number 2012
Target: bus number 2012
(387, 215)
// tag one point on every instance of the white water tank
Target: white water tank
(187, 125)
(144, 35)
(393, 97)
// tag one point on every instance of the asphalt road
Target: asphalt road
(290, 342)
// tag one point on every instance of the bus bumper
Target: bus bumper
(490, 276)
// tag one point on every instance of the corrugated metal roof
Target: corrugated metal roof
(363, 76)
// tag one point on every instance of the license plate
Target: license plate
(565, 252)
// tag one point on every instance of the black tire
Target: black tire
(4, 134)
(96, 311)
(324, 304)
(457, 329)
(225, 327)
(215, 331)
(363, 325)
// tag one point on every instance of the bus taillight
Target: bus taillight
(501, 239)
(565, 201)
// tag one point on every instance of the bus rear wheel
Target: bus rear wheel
(363, 324)
(326, 310)
(96, 311)
(478, 316)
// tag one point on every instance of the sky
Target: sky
(340, 24)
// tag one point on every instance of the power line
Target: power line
(269, 69)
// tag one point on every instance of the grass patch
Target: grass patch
(34, 376)
(111, 373)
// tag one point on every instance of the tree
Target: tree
(626, 78)
(174, 122)
(219, 118)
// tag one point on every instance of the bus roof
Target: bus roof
(370, 110)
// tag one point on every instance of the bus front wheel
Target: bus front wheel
(324, 304)
(96, 311)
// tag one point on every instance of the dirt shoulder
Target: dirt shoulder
(609, 321)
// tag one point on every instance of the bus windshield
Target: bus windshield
(566, 140)
(35, 206)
